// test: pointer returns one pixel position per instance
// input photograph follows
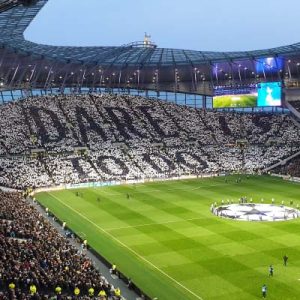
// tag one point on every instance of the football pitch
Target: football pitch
(166, 239)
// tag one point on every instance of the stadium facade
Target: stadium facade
(27, 66)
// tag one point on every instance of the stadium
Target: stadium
(139, 172)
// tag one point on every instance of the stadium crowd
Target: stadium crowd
(52, 140)
(39, 263)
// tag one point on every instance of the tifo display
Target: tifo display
(127, 137)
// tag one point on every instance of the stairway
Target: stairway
(292, 109)
(284, 161)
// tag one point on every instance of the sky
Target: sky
(206, 25)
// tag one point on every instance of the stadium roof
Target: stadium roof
(14, 22)
(18, 51)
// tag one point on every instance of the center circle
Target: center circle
(256, 212)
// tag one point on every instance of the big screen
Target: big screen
(237, 100)
(269, 65)
(269, 94)
(262, 95)
(243, 96)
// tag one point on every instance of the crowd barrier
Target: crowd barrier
(287, 177)
(8, 190)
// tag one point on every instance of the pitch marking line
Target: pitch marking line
(157, 190)
(128, 248)
(150, 224)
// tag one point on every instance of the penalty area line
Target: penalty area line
(126, 247)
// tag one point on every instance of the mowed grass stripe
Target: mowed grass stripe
(128, 248)
(201, 250)
(129, 216)
(131, 209)
(137, 270)
(176, 242)
(213, 257)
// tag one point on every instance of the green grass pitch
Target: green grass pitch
(166, 239)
